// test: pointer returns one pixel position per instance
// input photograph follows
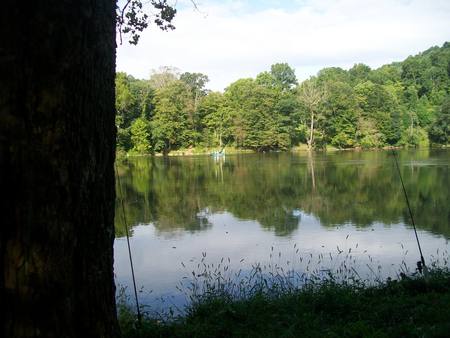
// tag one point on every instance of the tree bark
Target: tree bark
(57, 146)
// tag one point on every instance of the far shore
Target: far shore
(234, 151)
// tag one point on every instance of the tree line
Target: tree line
(400, 104)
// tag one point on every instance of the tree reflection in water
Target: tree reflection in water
(358, 188)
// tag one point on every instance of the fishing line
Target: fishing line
(421, 263)
(128, 244)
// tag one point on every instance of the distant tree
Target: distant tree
(311, 95)
(238, 98)
(288, 109)
(410, 119)
(394, 104)
(285, 105)
(163, 76)
(379, 107)
(440, 129)
(332, 74)
(144, 94)
(387, 74)
(257, 123)
(390, 124)
(170, 126)
(140, 136)
(413, 69)
(341, 114)
(133, 101)
(217, 119)
(267, 79)
(127, 106)
(196, 83)
(284, 75)
(425, 112)
(359, 73)
(368, 135)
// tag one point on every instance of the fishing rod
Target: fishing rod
(421, 263)
(129, 246)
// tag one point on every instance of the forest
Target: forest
(403, 104)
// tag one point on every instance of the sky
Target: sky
(232, 39)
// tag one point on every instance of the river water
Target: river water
(297, 211)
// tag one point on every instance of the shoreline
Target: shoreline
(236, 151)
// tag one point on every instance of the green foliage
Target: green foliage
(266, 79)
(387, 74)
(333, 74)
(258, 122)
(414, 137)
(140, 136)
(341, 114)
(440, 129)
(163, 76)
(196, 82)
(359, 73)
(400, 104)
(132, 20)
(283, 75)
(123, 135)
(133, 103)
(379, 121)
(217, 120)
(367, 135)
(172, 121)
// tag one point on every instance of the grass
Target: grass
(272, 302)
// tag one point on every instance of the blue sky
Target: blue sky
(231, 39)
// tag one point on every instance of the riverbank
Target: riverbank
(228, 151)
(303, 148)
(415, 306)
(189, 152)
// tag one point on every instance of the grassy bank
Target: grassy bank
(416, 306)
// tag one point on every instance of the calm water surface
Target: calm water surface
(274, 208)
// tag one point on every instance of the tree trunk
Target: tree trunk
(57, 137)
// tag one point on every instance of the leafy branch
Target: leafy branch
(131, 18)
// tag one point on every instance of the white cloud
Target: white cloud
(229, 40)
